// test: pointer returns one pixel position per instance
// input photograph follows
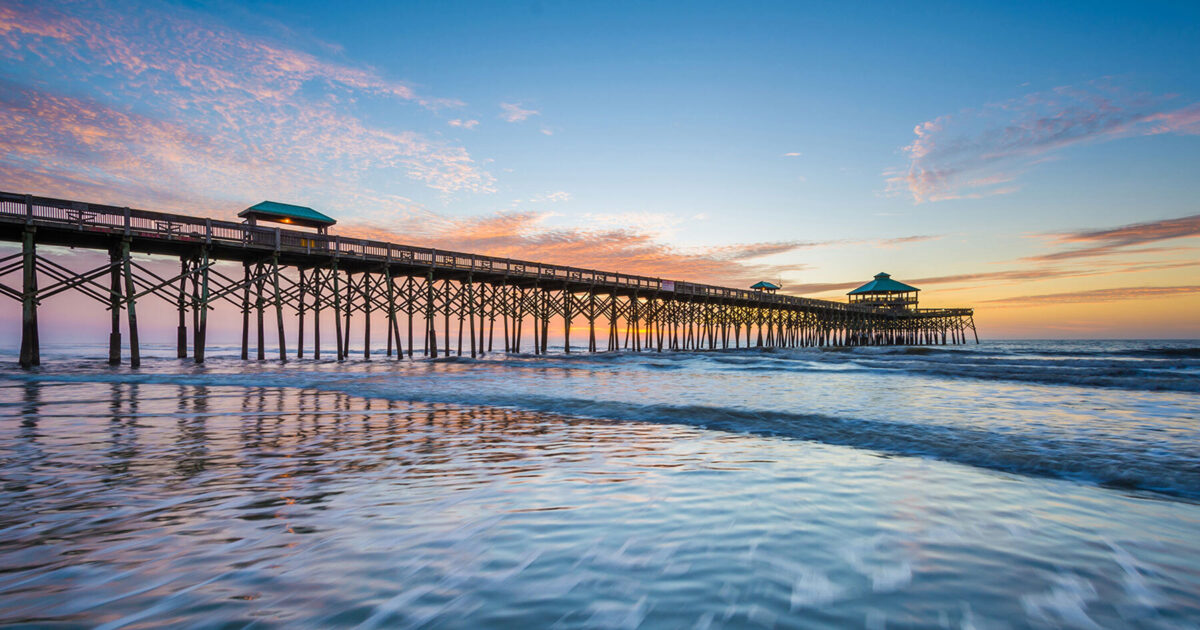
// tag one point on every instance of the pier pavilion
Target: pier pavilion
(884, 292)
(286, 213)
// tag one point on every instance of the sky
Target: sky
(1037, 161)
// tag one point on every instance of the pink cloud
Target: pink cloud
(225, 108)
(1118, 240)
(1097, 295)
(981, 152)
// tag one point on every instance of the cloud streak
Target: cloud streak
(1008, 276)
(513, 112)
(1118, 240)
(1097, 296)
(982, 152)
(211, 107)
(524, 236)
(624, 243)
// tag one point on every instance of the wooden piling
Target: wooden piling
(202, 329)
(245, 310)
(301, 307)
(114, 305)
(30, 352)
(281, 336)
(135, 353)
(337, 312)
(181, 331)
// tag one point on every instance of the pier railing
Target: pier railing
(162, 226)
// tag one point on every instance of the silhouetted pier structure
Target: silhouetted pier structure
(495, 302)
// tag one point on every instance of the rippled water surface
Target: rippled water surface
(1005, 485)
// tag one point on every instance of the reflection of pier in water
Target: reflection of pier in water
(157, 430)
(490, 299)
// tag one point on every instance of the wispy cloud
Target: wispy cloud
(205, 110)
(906, 240)
(982, 152)
(513, 112)
(465, 124)
(1096, 295)
(793, 154)
(817, 288)
(525, 236)
(662, 225)
(1119, 240)
(1009, 276)
(557, 196)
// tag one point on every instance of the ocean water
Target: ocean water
(1004, 485)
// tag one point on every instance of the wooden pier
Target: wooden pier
(498, 303)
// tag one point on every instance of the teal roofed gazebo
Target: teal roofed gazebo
(276, 212)
(765, 286)
(885, 293)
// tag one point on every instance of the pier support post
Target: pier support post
(114, 305)
(393, 325)
(592, 319)
(505, 316)
(349, 304)
(259, 306)
(567, 298)
(30, 350)
(201, 332)
(447, 300)
(431, 349)
(365, 290)
(337, 313)
(245, 310)
(545, 320)
(410, 298)
(391, 310)
(135, 354)
(181, 305)
(278, 308)
(300, 308)
(470, 312)
(316, 280)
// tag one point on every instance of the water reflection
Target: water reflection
(159, 504)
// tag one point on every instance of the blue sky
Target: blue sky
(962, 145)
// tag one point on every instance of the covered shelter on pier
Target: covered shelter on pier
(765, 286)
(275, 212)
(883, 292)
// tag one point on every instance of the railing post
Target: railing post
(28, 209)
(127, 223)
(208, 231)
(277, 240)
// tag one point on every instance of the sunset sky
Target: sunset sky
(1040, 162)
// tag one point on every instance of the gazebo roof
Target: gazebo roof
(764, 285)
(287, 213)
(883, 283)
